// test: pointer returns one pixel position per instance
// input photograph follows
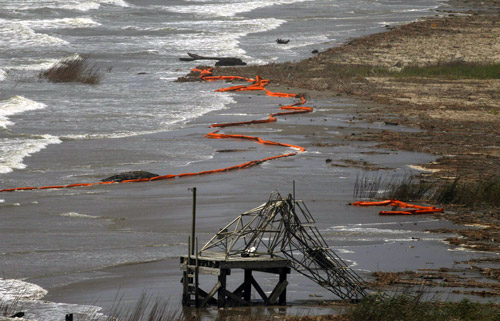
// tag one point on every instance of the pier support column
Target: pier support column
(282, 297)
(221, 293)
(247, 290)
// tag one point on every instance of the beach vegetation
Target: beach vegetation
(453, 70)
(410, 308)
(484, 191)
(74, 69)
(409, 188)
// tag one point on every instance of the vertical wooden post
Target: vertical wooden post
(196, 280)
(193, 221)
(221, 293)
(282, 298)
(185, 278)
(247, 290)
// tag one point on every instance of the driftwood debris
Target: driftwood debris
(221, 61)
(282, 41)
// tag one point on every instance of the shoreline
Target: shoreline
(433, 105)
(457, 119)
(303, 134)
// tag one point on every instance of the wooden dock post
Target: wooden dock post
(222, 267)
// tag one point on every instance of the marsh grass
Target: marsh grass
(484, 191)
(411, 308)
(406, 188)
(73, 69)
(453, 70)
(367, 188)
(147, 308)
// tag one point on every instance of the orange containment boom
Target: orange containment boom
(411, 209)
(206, 74)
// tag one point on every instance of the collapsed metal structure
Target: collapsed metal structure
(284, 228)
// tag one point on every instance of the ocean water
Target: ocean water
(137, 118)
(133, 37)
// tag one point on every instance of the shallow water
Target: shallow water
(85, 244)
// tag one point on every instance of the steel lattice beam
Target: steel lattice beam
(285, 227)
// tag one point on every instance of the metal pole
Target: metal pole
(294, 195)
(193, 222)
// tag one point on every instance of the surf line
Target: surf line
(206, 75)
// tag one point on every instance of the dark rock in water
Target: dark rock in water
(282, 41)
(142, 73)
(129, 175)
(18, 315)
(69, 317)
(315, 51)
(230, 62)
(221, 61)
(230, 150)
(328, 160)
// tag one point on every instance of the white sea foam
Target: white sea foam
(217, 37)
(14, 150)
(61, 4)
(14, 290)
(27, 297)
(229, 9)
(16, 105)
(203, 103)
(20, 35)
(78, 215)
(3, 75)
(366, 230)
(81, 22)
(45, 64)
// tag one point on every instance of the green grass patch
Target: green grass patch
(453, 70)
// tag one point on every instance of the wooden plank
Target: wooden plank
(201, 269)
(210, 295)
(277, 291)
(259, 289)
(240, 288)
(275, 270)
(236, 298)
(253, 264)
(204, 294)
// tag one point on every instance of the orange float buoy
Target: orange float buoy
(414, 209)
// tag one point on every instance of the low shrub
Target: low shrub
(73, 69)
